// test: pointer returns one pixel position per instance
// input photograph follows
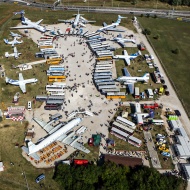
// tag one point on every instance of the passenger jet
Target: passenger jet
(127, 57)
(21, 82)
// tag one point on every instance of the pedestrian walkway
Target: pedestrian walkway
(151, 148)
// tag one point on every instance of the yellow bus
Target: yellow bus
(116, 95)
(52, 62)
(56, 78)
(54, 59)
(44, 47)
(104, 58)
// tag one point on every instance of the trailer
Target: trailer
(116, 95)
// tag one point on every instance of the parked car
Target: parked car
(177, 112)
(165, 87)
(160, 136)
(40, 178)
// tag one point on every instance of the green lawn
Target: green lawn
(173, 34)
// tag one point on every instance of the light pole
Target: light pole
(23, 173)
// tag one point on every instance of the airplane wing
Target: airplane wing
(131, 88)
(15, 50)
(126, 72)
(22, 27)
(114, 29)
(66, 21)
(22, 87)
(38, 22)
(125, 53)
(46, 126)
(121, 43)
(21, 77)
(72, 141)
(127, 61)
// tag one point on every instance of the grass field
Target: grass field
(173, 34)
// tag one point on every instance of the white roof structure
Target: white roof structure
(175, 124)
(119, 132)
(186, 169)
(1, 167)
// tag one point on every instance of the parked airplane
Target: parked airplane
(15, 54)
(15, 34)
(29, 24)
(129, 80)
(127, 57)
(111, 27)
(122, 41)
(78, 21)
(14, 42)
(21, 82)
(57, 133)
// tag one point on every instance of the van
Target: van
(40, 178)
(29, 105)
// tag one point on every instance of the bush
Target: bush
(142, 15)
(146, 31)
(156, 37)
(155, 16)
(175, 51)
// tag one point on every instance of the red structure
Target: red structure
(80, 162)
(151, 106)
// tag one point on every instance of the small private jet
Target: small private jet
(21, 82)
(78, 21)
(121, 41)
(15, 35)
(111, 27)
(61, 132)
(127, 57)
(14, 42)
(16, 54)
(28, 23)
(129, 80)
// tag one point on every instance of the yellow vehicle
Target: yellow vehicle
(44, 47)
(56, 78)
(112, 95)
(49, 62)
(104, 58)
(54, 59)
(161, 91)
(162, 147)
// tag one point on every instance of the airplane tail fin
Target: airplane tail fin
(146, 77)
(6, 54)
(139, 52)
(6, 41)
(33, 155)
(20, 12)
(119, 19)
(7, 79)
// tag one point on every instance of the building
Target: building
(186, 171)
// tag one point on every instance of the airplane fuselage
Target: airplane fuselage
(108, 26)
(53, 137)
(33, 25)
(76, 21)
(132, 79)
(17, 82)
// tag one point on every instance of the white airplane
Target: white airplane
(127, 57)
(111, 27)
(29, 24)
(14, 42)
(122, 41)
(78, 21)
(129, 80)
(15, 54)
(21, 82)
(15, 35)
(58, 133)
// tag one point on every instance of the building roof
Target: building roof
(126, 161)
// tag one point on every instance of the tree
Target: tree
(146, 31)
(157, 36)
(175, 51)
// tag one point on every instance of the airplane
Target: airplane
(111, 27)
(15, 54)
(29, 24)
(14, 42)
(15, 35)
(121, 40)
(129, 80)
(78, 21)
(60, 133)
(21, 82)
(127, 57)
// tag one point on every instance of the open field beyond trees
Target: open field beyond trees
(172, 35)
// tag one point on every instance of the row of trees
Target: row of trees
(171, 2)
(111, 176)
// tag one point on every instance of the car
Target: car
(162, 81)
(165, 87)
(91, 142)
(167, 154)
(167, 93)
(177, 112)
(40, 178)
(160, 136)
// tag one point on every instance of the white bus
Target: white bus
(107, 87)
(54, 87)
(102, 71)
(106, 65)
(105, 83)
(60, 94)
(137, 108)
(118, 133)
(126, 122)
(81, 130)
(158, 121)
(134, 141)
(122, 127)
